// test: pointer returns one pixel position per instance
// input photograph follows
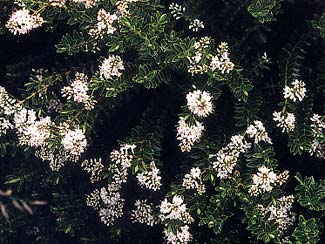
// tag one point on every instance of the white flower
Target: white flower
(121, 162)
(222, 61)
(227, 157)
(93, 199)
(196, 25)
(195, 66)
(74, 142)
(87, 3)
(286, 121)
(23, 21)
(94, 167)
(199, 103)
(265, 180)
(150, 179)
(297, 91)
(175, 210)
(182, 235)
(111, 67)
(258, 132)
(78, 91)
(193, 180)
(113, 202)
(143, 213)
(188, 134)
(104, 25)
(57, 3)
(176, 10)
(31, 131)
(280, 212)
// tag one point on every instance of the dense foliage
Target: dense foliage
(147, 121)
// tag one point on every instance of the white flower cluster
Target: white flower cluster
(182, 235)
(176, 10)
(196, 65)
(222, 61)
(143, 213)
(150, 179)
(176, 210)
(226, 159)
(93, 199)
(94, 167)
(22, 21)
(121, 162)
(202, 44)
(188, 134)
(265, 180)
(104, 25)
(111, 67)
(5, 125)
(318, 127)
(86, 3)
(193, 180)
(196, 25)
(285, 120)
(258, 132)
(74, 142)
(108, 200)
(35, 132)
(78, 91)
(199, 103)
(31, 131)
(69, 152)
(280, 212)
(123, 6)
(57, 3)
(113, 204)
(297, 91)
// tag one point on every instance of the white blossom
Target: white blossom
(150, 179)
(258, 132)
(199, 103)
(196, 25)
(121, 162)
(176, 10)
(111, 67)
(74, 142)
(265, 180)
(87, 3)
(281, 212)
(221, 60)
(195, 66)
(22, 21)
(143, 213)
(78, 91)
(286, 121)
(296, 91)
(113, 204)
(104, 25)
(93, 199)
(175, 210)
(317, 146)
(226, 159)
(94, 167)
(57, 3)
(193, 180)
(188, 134)
(182, 235)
